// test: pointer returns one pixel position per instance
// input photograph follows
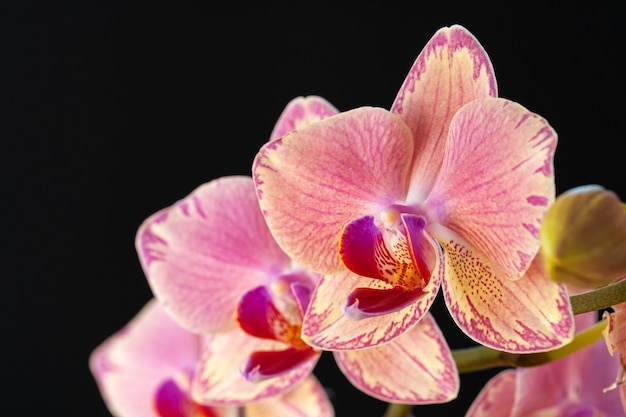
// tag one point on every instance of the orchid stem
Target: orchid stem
(480, 357)
(398, 410)
(600, 298)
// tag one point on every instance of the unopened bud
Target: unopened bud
(583, 237)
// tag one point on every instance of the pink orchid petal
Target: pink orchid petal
(496, 182)
(130, 366)
(203, 253)
(416, 368)
(573, 383)
(360, 165)
(270, 364)
(301, 112)
(452, 70)
(532, 314)
(325, 326)
(308, 399)
(497, 397)
(219, 378)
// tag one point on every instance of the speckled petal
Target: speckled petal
(301, 112)
(204, 252)
(497, 397)
(531, 314)
(313, 181)
(219, 379)
(326, 326)
(452, 70)
(496, 182)
(416, 368)
(308, 399)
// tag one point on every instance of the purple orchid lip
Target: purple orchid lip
(263, 365)
(275, 312)
(397, 251)
(173, 400)
(369, 302)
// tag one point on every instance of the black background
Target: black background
(111, 112)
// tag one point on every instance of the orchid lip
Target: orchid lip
(263, 365)
(172, 399)
(370, 302)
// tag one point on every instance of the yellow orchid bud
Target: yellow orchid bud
(583, 237)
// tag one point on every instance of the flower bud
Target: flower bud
(583, 237)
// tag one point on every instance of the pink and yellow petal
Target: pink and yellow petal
(452, 70)
(496, 182)
(326, 326)
(301, 112)
(308, 399)
(532, 314)
(312, 182)
(219, 380)
(497, 397)
(130, 366)
(203, 253)
(416, 368)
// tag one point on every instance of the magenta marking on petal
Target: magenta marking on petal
(534, 230)
(369, 302)
(537, 200)
(547, 138)
(148, 240)
(268, 364)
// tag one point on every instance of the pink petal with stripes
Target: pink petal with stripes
(308, 399)
(452, 70)
(220, 380)
(496, 182)
(313, 181)
(301, 112)
(203, 253)
(416, 368)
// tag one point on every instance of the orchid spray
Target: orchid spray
(349, 226)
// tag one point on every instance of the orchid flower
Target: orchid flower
(214, 265)
(571, 386)
(145, 370)
(416, 368)
(447, 189)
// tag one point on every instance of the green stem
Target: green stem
(398, 410)
(600, 298)
(479, 358)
